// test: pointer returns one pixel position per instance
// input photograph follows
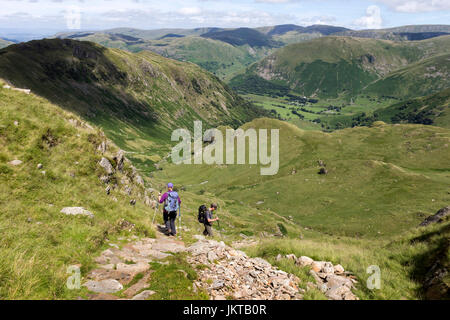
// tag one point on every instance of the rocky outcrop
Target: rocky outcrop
(331, 279)
(438, 217)
(119, 158)
(105, 164)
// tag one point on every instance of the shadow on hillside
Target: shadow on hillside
(431, 268)
(79, 77)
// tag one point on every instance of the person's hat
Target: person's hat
(213, 205)
(170, 185)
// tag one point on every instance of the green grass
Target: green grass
(381, 179)
(174, 281)
(38, 242)
(403, 260)
(137, 99)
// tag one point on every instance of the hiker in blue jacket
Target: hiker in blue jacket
(172, 202)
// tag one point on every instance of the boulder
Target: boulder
(328, 268)
(104, 286)
(77, 211)
(336, 281)
(40, 166)
(437, 217)
(16, 162)
(338, 269)
(144, 295)
(338, 293)
(317, 266)
(304, 261)
(105, 164)
(291, 257)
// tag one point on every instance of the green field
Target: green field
(320, 115)
(382, 182)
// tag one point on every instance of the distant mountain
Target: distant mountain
(408, 33)
(342, 66)
(223, 52)
(242, 36)
(210, 47)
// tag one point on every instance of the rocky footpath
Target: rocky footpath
(223, 272)
(230, 273)
(117, 267)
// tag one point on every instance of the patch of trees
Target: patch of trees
(364, 120)
(298, 114)
(410, 117)
(257, 85)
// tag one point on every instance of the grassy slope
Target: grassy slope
(434, 107)
(381, 179)
(38, 242)
(418, 79)
(218, 57)
(129, 95)
(332, 66)
(383, 182)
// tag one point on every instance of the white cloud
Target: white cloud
(276, 1)
(414, 6)
(190, 11)
(372, 19)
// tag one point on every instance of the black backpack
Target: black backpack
(202, 214)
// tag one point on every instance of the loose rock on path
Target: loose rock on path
(223, 272)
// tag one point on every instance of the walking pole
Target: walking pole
(179, 218)
(154, 214)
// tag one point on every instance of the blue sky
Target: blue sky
(49, 16)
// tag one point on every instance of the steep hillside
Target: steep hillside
(136, 98)
(417, 79)
(339, 66)
(380, 180)
(433, 109)
(59, 168)
(220, 58)
(242, 36)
